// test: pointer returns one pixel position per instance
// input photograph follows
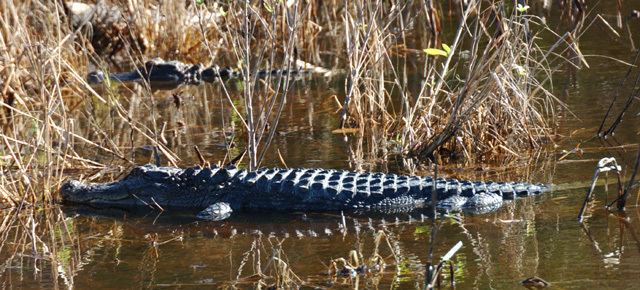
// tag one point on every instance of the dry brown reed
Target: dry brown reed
(276, 274)
(264, 36)
(485, 99)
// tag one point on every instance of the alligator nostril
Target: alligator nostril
(67, 189)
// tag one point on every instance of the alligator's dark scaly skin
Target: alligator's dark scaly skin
(160, 73)
(218, 191)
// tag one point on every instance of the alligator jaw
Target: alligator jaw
(78, 192)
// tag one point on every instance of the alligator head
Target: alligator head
(165, 187)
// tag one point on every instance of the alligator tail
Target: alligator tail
(325, 189)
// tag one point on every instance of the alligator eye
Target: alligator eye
(135, 172)
(95, 77)
(156, 175)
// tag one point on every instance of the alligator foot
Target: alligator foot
(216, 212)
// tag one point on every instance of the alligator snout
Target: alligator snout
(77, 192)
(69, 189)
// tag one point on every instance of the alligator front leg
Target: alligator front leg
(216, 212)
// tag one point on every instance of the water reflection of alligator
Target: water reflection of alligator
(174, 73)
(218, 191)
(257, 222)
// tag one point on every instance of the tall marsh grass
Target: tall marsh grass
(485, 90)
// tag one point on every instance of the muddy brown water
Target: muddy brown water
(537, 236)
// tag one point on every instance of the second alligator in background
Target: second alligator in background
(216, 192)
(160, 73)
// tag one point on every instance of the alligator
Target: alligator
(160, 73)
(216, 192)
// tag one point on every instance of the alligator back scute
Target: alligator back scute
(505, 190)
(402, 185)
(289, 183)
(427, 186)
(304, 181)
(321, 180)
(333, 185)
(318, 185)
(348, 179)
(415, 186)
(260, 180)
(376, 185)
(362, 186)
(237, 175)
(289, 188)
(492, 186)
(264, 181)
(348, 190)
(303, 184)
(205, 174)
(466, 188)
(510, 192)
(522, 189)
(278, 180)
(318, 189)
(453, 187)
(221, 176)
(191, 171)
(441, 187)
(389, 186)
(251, 177)
(479, 187)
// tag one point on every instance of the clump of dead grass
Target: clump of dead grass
(484, 93)
(491, 102)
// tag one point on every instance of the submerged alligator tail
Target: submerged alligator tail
(218, 191)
